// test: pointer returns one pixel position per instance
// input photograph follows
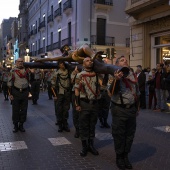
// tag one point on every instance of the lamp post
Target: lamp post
(27, 57)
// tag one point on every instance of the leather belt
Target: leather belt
(88, 101)
(20, 89)
(127, 106)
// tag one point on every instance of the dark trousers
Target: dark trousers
(49, 90)
(142, 99)
(74, 112)
(104, 104)
(19, 106)
(5, 89)
(87, 120)
(35, 90)
(152, 95)
(62, 104)
(123, 128)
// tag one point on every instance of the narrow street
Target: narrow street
(41, 147)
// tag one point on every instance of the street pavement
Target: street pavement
(41, 147)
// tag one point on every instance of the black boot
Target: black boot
(84, 148)
(76, 135)
(91, 147)
(101, 123)
(106, 125)
(60, 127)
(65, 126)
(120, 161)
(15, 127)
(21, 128)
(128, 165)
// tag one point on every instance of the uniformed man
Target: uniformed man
(87, 93)
(48, 76)
(124, 109)
(4, 79)
(61, 82)
(36, 77)
(74, 111)
(18, 82)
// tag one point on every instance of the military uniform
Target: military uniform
(61, 83)
(4, 78)
(36, 77)
(88, 86)
(48, 77)
(18, 82)
(74, 111)
(123, 109)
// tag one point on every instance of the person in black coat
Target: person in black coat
(167, 82)
(141, 81)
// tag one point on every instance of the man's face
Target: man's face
(87, 63)
(123, 62)
(19, 63)
(158, 67)
(61, 66)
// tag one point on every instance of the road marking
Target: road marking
(163, 128)
(59, 141)
(9, 146)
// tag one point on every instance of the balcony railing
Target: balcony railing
(58, 12)
(56, 45)
(41, 50)
(67, 6)
(104, 2)
(66, 41)
(49, 47)
(50, 19)
(42, 25)
(102, 40)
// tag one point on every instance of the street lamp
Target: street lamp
(27, 57)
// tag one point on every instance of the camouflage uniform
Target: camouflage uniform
(18, 82)
(5, 75)
(61, 83)
(36, 77)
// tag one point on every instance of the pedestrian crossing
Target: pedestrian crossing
(58, 141)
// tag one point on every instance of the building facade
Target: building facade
(150, 31)
(101, 23)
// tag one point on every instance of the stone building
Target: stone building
(150, 31)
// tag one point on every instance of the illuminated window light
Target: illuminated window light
(59, 30)
(43, 38)
(43, 15)
(59, 1)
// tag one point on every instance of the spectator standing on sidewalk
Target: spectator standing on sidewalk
(47, 79)
(87, 93)
(152, 94)
(18, 82)
(124, 109)
(160, 87)
(142, 82)
(167, 82)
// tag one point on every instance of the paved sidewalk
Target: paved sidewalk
(41, 147)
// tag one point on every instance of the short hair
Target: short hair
(118, 59)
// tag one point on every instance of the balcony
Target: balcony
(103, 4)
(50, 19)
(49, 47)
(41, 50)
(67, 41)
(135, 7)
(102, 40)
(58, 14)
(33, 32)
(67, 7)
(42, 26)
(56, 45)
